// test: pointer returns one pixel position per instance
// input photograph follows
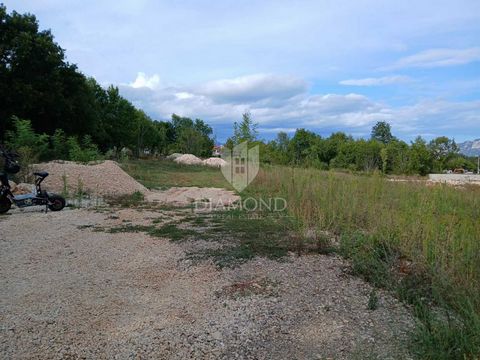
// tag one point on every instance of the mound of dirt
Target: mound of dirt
(174, 156)
(188, 159)
(105, 178)
(214, 162)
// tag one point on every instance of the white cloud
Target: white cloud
(439, 117)
(334, 103)
(253, 88)
(352, 113)
(276, 130)
(182, 95)
(437, 58)
(385, 80)
(143, 80)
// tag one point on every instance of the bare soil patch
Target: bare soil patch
(189, 195)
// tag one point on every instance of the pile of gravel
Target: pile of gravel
(174, 156)
(105, 178)
(189, 159)
(214, 162)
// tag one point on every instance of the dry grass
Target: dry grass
(423, 242)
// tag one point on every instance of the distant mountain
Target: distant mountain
(470, 148)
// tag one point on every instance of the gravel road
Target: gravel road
(70, 292)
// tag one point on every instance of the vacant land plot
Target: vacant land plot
(143, 279)
(162, 283)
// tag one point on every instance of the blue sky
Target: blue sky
(323, 65)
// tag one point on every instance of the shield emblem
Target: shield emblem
(242, 165)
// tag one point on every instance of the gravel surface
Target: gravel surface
(71, 292)
(211, 197)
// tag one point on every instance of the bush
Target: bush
(30, 146)
(84, 152)
(60, 149)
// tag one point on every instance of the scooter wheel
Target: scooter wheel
(5, 205)
(56, 202)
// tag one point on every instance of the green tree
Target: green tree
(420, 157)
(276, 151)
(193, 137)
(382, 132)
(300, 146)
(442, 150)
(330, 146)
(36, 82)
(395, 157)
(119, 121)
(246, 130)
(367, 157)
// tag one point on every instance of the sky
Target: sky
(323, 65)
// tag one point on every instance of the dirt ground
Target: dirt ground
(71, 292)
(187, 195)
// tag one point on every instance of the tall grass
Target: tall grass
(421, 241)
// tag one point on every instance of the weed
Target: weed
(65, 186)
(129, 228)
(170, 231)
(129, 200)
(373, 300)
(247, 235)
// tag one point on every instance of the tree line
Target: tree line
(382, 152)
(61, 113)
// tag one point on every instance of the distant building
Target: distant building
(217, 150)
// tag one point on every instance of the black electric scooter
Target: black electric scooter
(51, 201)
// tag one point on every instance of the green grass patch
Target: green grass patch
(246, 235)
(162, 174)
(173, 232)
(169, 231)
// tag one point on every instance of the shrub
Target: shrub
(84, 152)
(30, 146)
